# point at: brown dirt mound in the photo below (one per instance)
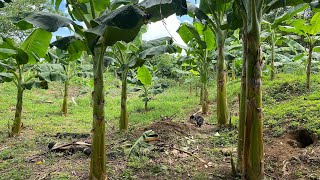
(170, 129)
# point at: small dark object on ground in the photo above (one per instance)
(7, 158)
(50, 145)
(197, 120)
(87, 151)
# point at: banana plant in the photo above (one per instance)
(128, 56)
(272, 31)
(287, 51)
(107, 22)
(214, 13)
(199, 38)
(310, 31)
(247, 15)
(20, 65)
(68, 54)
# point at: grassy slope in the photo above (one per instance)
(40, 117)
(288, 106)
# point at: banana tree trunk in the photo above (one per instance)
(233, 70)
(204, 84)
(272, 57)
(124, 114)
(64, 109)
(196, 89)
(242, 106)
(146, 96)
(201, 94)
(146, 105)
(222, 111)
(309, 67)
(98, 155)
(16, 127)
(205, 99)
(253, 142)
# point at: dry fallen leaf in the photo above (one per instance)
(183, 155)
(175, 152)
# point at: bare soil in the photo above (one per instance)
(183, 151)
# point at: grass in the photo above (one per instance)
(287, 106)
(41, 107)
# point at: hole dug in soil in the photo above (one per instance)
(303, 138)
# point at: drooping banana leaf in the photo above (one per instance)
(160, 9)
(5, 53)
(156, 42)
(50, 72)
(45, 20)
(156, 51)
(20, 56)
(122, 24)
(6, 77)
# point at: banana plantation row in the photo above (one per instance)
(112, 35)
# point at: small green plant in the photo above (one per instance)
(148, 87)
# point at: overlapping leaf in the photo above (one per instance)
(36, 44)
(188, 32)
(144, 76)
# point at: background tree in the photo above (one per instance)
(200, 41)
(69, 53)
(250, 126)
(214, 13)
(128, 56)
(273, 31)
(310, 31)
